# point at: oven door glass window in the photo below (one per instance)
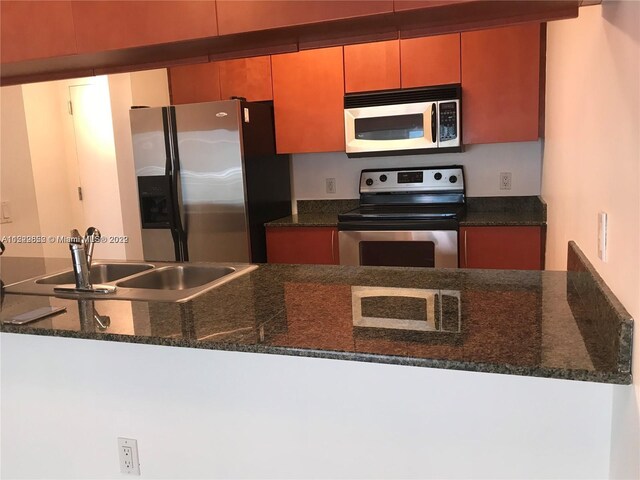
(398, 253)
(395, 127)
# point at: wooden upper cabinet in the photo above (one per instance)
(246, 77)
(308, 100)
(36, 29)
(430, 60)
(401, 5)
(501, 84)
(109, 25)
(195, 83)
(372, 66)
(236, 16)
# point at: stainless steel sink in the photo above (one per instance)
(100, 273)
(153, 281)
(181, 277)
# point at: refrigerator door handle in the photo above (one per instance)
(167, 142)
(177, 226)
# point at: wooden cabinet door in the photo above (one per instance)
(246, 77)
(401, 5)
(430, 60)
(509, 248)
(308, 100)
(315, 245)
(501, 84)
(194, 83)
(36, 29)
(236, 16)
(372, 66)
(108, 25)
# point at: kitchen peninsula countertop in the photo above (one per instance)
(512, 322)
(481, 211)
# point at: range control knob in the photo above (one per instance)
(383, 178)
(369, 181)
(437, 176)
(453, 179)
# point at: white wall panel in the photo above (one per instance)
(214, 414)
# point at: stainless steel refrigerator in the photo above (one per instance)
(208, 179)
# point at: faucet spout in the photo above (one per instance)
(91, 237)
(79, 260)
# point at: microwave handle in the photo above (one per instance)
(434, 123)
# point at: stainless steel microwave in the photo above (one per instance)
(410, 121)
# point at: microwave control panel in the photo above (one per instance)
(448, 121)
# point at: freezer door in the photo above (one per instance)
(212, 181)
(149, 141)
(152, 159)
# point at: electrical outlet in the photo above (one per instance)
(128, 453)
(331, 185)
(505, 180)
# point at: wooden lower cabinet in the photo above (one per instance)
(510, 248)
(312, 245)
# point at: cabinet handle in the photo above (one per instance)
(333, 250)
(466, 259)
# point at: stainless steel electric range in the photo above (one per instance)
(408, 217)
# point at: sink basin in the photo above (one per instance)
(180, 277)
(100, 273)
(150, 282)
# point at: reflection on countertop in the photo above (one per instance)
(513, 322)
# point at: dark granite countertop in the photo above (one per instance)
(306, 220)
(481, 211)
(511, 322)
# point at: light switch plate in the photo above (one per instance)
(602, 236)
(5, 212)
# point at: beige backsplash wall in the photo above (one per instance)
(483, 165)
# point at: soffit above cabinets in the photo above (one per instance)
(240, 30)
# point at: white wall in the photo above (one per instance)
(120, 94)
(483, 165)
(53, 188)
(148, 88)
(214, 414)
(16, 175)
(592, 164)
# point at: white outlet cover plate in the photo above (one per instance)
(128, 464)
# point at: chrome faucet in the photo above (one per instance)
(81, 256)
